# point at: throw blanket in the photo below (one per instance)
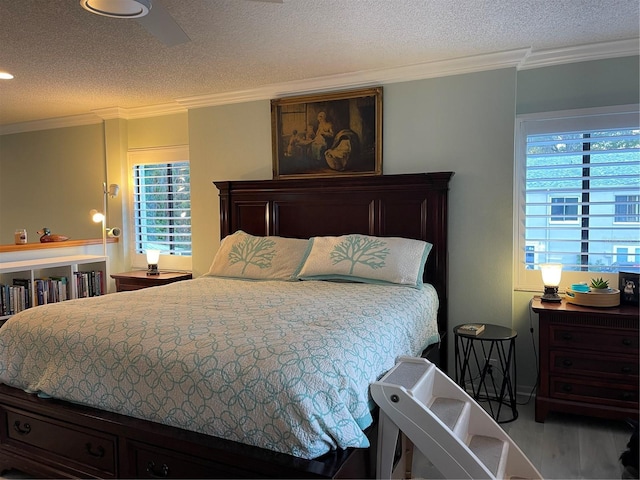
(280, 365)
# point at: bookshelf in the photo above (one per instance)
(45, 268)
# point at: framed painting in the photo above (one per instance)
(328, 135)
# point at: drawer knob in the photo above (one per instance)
(567, 363)
(22, 430)
(567, 336)
(626, 369)
(626, 342)
(567, 388)
(98, 452)
(157, 472)
(627, 396)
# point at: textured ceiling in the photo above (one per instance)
(67, 61)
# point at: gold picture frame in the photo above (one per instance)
(327, 135)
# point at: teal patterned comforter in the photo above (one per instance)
(280, 365)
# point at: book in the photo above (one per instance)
(471, 328)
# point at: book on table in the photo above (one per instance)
(471, 328)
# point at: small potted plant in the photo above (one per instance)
(599, 285)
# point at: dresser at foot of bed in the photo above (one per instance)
(54, 439)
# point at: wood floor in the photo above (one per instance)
(564, 447)
(570, 446)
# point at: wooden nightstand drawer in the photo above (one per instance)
(138, 279)
(580, 363)
(604, 393)
(74, 444)
(593, 339)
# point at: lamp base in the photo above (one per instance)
(152, 269)
(551, 295)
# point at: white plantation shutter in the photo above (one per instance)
(162, 208)
(578, 181)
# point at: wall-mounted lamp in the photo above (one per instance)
(113, 190)
(551, 274)
(114, 232)
(153, 256)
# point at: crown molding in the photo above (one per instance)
(362, 79)
(521, 59)
(50, 123)
(580, 53)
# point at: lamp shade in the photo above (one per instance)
(551, 274)
(153, 256)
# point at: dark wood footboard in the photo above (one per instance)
(51, 438)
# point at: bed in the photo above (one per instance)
(135, 430)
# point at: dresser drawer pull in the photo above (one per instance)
(627, 396)
(626, 369)
(98, 452)
(22, 430)
(158, 472)
(567, 336)
(567, 388)
(567, 363)
(626, 342)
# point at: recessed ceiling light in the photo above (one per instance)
(5, 76)
(118, 8)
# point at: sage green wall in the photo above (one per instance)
(579, 85)
(229, 142)
(51, 178)
(161, 131)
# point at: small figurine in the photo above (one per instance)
(47, 236)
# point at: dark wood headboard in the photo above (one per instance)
(410, 206)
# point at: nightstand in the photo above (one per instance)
(472, 357)
(588, 360)
(138, 279)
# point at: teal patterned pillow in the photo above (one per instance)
(258, 258)
(367, 259)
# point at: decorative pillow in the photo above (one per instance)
(366, 259)
(258, 258)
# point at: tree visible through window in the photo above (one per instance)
(162, 208)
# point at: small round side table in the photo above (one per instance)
(477, 351)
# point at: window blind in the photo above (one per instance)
(162, 208)
(581, 204)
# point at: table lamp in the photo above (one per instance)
(551, 274)
(152, 262)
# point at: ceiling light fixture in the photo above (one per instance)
(5, 76)
(118, 8)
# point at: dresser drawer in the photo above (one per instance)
(569, 362)
(597, 339)
(41, 436)
(577, 389)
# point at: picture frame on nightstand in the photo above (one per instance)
(629, 284)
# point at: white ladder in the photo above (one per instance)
(449, 428)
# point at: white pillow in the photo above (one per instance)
(242, 255)
(366, 259)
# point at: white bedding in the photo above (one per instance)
(280, 365)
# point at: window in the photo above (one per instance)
(627, 209)
(564, 209)
(161, 206)
(577, 186)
